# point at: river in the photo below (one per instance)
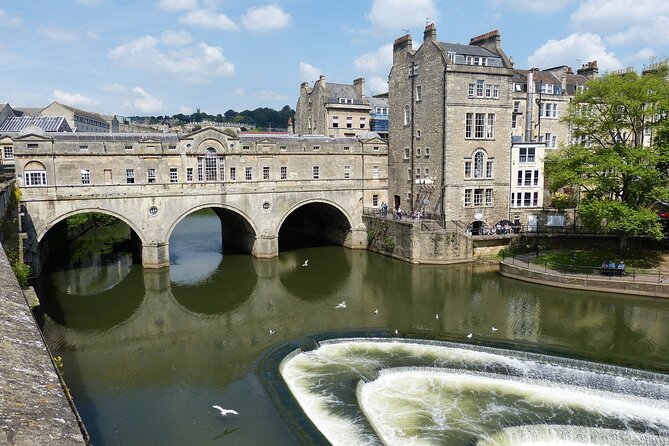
(146, 354)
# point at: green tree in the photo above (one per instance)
(619, 158)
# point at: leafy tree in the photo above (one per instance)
(619, 158)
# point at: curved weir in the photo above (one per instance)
(409, 392)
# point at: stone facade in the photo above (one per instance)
(152, 181)
(334, 110)
(450, 111)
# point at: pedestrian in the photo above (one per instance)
(399, 213)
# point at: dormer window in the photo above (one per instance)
(345, 101)
(547, 88)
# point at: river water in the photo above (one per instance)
(146, 354)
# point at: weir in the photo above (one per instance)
(402, 391)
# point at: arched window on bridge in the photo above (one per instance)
(211, 167)
(34, 174)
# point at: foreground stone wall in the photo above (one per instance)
(33, 407)
(414, 242)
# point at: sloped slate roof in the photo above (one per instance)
(468, 50)
(46, 123)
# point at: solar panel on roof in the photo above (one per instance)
(47, 123)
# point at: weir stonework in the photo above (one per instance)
(33, 407)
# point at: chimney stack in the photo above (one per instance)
(359, 85)
(588, 70)
(402, 42)
(430, 33)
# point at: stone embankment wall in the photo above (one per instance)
(553, 278)
(414, 242)
(33, 407)
(6, 190)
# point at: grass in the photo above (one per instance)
(590, 260)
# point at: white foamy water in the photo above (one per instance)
(372, 391)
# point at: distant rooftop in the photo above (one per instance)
(46, 123)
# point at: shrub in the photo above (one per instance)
(389, 244)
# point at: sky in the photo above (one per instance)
(158, 57)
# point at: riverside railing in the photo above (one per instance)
(624, 274)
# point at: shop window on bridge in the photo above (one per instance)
(34, 174)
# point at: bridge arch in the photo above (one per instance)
(320, 219)
(41, 232)
(241, 225)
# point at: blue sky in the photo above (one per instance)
(154, 57)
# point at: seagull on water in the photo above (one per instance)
(469, 336)
(437, 316)
(376, 311)
(341, 304)
(306, 263)
(224, 412)
(494, 329)
(271, 332)
(397, 332)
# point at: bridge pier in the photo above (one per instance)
(266, 247)
(155, 255)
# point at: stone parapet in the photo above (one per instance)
(33, 407)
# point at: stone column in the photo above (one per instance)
(266, 247)
(155, 255)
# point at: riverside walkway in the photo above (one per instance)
(33, 407)
(637, 282)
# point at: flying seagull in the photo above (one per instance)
(341, 304)
(469, 336)
(224, 412)
(494, 329)
(306, 263)
(271, 332)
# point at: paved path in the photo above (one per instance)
(33, 408)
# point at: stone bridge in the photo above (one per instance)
(258, 185)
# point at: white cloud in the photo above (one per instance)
(208, 19)
(309, 72)
(534, 6)
(239, 91)
(401, 14)
(7, 20)
(73, 98)
(584, 47)
(645, 54)
(624, 22)
(92, 35)
(266, 18)
(59, 34)
(144, 102)
(265, 95)
(176, 38)
(135, 99)
(376, 85)
(617, 14)
(377, 62)
(174, 5)
(190, 63)
(185, 110)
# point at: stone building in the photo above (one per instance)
(151, 181)
(541, 99)
(334, 110)
(449, 137)
(80, 120)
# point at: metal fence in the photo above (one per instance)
(600, 272)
